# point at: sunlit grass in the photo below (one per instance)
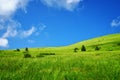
(62, 63)
(73, 66)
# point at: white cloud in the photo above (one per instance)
(28, 32)
(8, 7)
(116, 22)
(65, 4)
(3, 42)
(11, 27)
(10, 32)
(7, 11)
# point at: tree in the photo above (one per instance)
(76, 49)
(26, 49)
(83, 48)
(97, 48)
(17, 49)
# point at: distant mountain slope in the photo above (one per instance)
(109, 42)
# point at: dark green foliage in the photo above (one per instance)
(83, 48)
(118, 44)
(97, 48)
(26, 49)
(27, 55)
(110, 50)
(18, 50)
(40, 55)
(43, 54)
(76, 49)
(47, 53)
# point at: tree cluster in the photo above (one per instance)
(83, 48)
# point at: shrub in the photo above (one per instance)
(97, 48)
(47, 53)
(83, 48)
(17, 49)
(118, 44)
(27, 55)
(43, 54)
(26, 49)
(76, 49)
(40, 55)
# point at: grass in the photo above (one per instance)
(63, 63)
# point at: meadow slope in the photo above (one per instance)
(62, 63)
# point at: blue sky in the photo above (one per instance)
(43, 23)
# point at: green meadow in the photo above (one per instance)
(64, 63)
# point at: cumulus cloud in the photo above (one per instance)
(7, 11)
(12, 32)
(8, 7)
(116, 22)
(11, 27)
(3, 42)
(65, 4)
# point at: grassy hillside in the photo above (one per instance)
(62, 63)
(107, 43)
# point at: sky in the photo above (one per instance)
(50, 23)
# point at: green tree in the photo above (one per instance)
(18, 50)
(83, 48)
(76, 49)
(26, 49)
(97, 48)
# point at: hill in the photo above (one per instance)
(62, 63)
(106, 43)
